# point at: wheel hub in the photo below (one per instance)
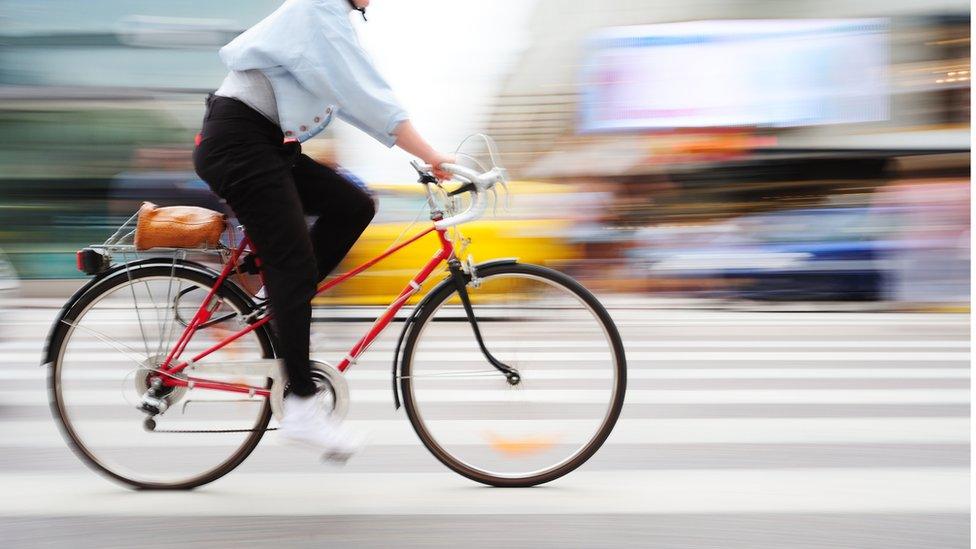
(148, 371)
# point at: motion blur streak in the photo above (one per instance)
(771, 197)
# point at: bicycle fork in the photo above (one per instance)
(461, 285)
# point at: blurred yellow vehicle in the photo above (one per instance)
(535, 230)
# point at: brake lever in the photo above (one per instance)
(423, 172)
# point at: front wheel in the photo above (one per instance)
(501, 431)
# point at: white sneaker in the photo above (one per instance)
(307, 423)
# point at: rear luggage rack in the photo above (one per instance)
(98, 258)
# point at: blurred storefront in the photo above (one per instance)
(98, 105)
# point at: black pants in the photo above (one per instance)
(272, 186)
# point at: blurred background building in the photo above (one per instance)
(762, 150)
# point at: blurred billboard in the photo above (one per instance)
(774, 73)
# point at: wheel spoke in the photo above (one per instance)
(114, 343)
(169, 331)
(135, 303)
(164, 329)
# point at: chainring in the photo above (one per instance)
(333, 390)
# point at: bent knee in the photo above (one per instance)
(364, 210)
(369, 209)
(364, 203)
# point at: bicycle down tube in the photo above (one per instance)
(206, 310)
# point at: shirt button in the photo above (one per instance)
(289, 133)
(318, 119)
(328, 110)
(303, 128)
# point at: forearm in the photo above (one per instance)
(408, 139)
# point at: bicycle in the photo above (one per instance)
(509, 374)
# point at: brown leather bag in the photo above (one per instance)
(178, 227)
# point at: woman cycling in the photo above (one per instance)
(290, 74)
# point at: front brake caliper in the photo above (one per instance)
(475, 282)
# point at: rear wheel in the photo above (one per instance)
(501, 431)
(102, 353)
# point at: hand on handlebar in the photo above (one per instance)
(473, 182)
(435, 162)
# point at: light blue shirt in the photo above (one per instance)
(309, 51)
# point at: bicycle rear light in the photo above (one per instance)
(90, 261)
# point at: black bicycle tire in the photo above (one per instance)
(444, 293)
(56, 340)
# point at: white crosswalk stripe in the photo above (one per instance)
(97, 373)
(635, 356)
(449, 344)
(584, 396)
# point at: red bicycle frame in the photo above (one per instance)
(172, 365)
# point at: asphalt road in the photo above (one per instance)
(741, 429)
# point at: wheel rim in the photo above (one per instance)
(95, 383)
(474, 419)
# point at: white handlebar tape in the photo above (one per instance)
(481, 182)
